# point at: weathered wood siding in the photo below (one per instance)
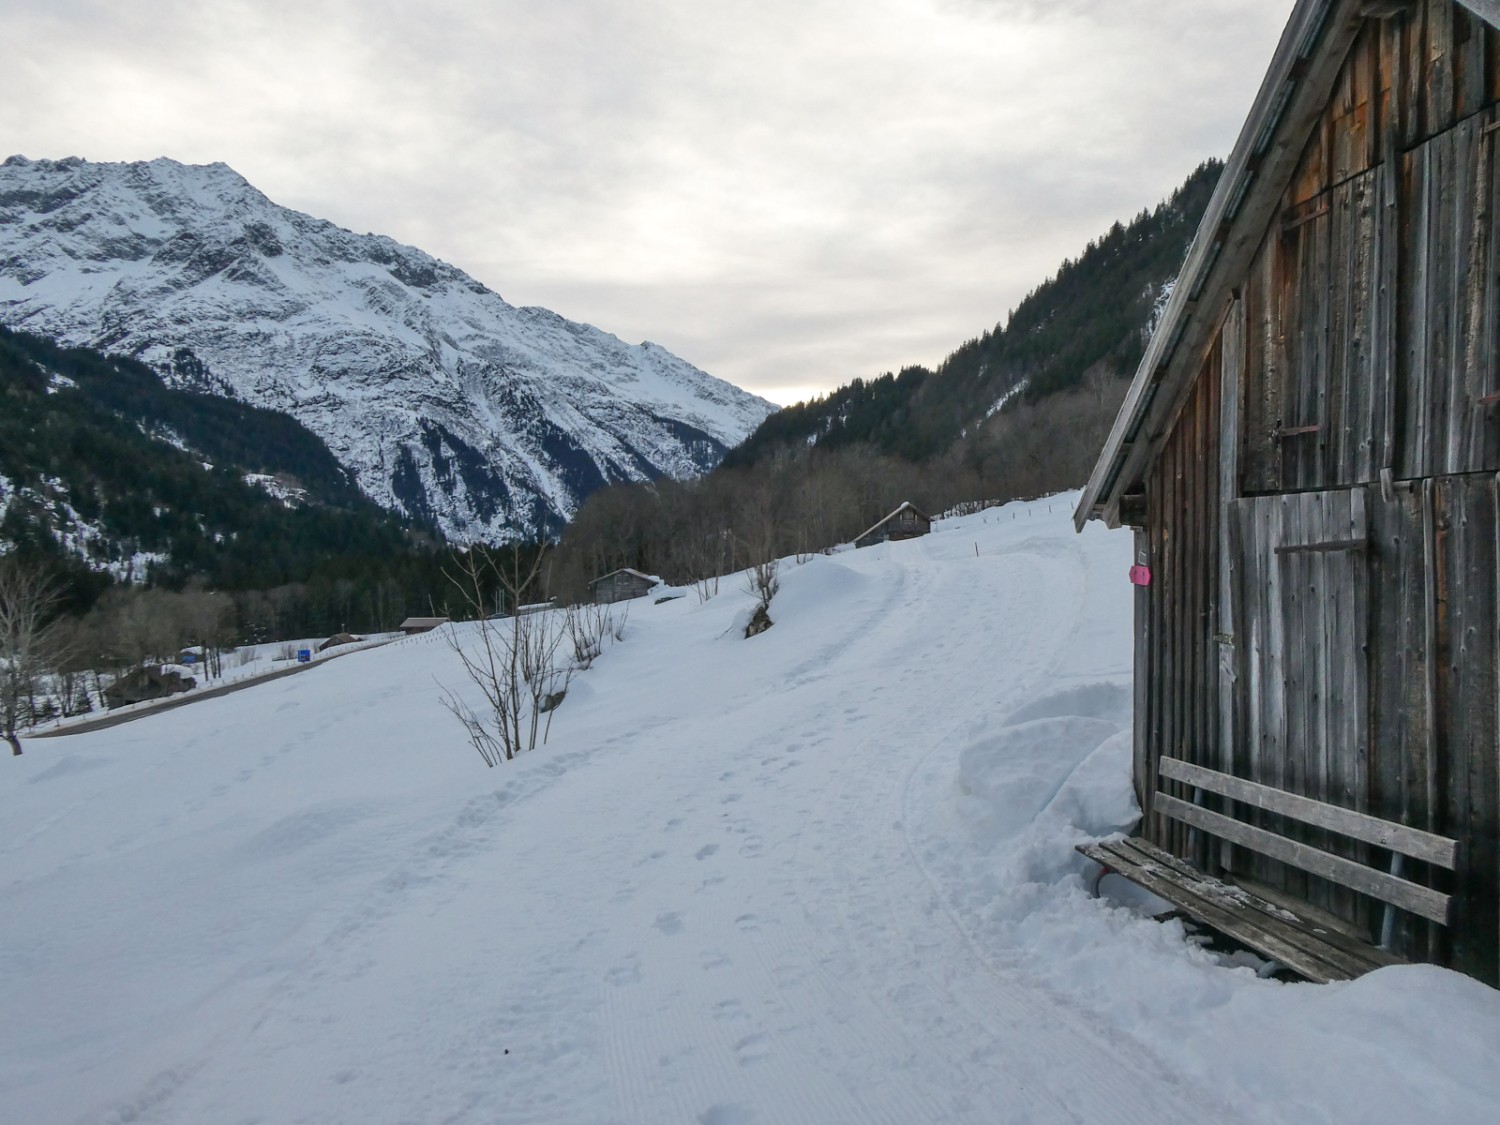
(620, 587)
(1301, 661)
(1323, 522)
(1181, 671)
(1374, 302)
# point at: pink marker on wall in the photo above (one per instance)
(1140, 575)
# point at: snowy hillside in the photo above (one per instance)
(823, 875)
(445, 401)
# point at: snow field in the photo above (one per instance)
(822, 875)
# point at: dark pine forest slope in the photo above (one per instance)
(1092, 319)
(106, 471)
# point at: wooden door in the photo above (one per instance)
(1299, 660)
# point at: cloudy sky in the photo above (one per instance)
(788, 193)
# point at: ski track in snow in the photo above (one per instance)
(735, 889)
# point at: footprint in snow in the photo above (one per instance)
(725, 1115)
(730, 1011)
(669, 923)
(752, 1049)
(628, 973)
(707, 850)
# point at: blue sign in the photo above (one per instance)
(304, 656)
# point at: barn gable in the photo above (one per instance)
(1309, 455)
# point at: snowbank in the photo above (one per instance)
(824, 874)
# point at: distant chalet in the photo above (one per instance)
(622, 585)
(413, 625)
(906, 522)
(1308, 457)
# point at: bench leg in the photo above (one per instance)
(1099, 878)
(1388, 922)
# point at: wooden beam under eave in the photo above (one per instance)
(1386, 9)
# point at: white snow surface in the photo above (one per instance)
(822, 875)
(442, 398)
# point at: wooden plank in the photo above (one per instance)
(1487, 824)
(1413, 842)
(1292, 611)
(1425, 784)
(1279, 934)
(1468, 62)
(1351, 781)
(1332, 546)
(1413, 310)
(1439, 65)
(1388, 888)
(1384, 333)
(1227, 917)
(1473, 724)
(1226, 629)
(1328, 940)
(1144, 669)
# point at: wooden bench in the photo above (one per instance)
(1301, 938)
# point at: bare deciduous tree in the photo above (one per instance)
(28, 600)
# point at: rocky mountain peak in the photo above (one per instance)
(443, 400)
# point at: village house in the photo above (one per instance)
(622, 585)
(414, 625)
(1308, 457)
(906, 522)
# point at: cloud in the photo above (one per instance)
(790, 193)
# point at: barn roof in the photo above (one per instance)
(1293, 94)
(905, 504)
(626, 570)
(422, 623)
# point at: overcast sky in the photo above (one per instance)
(788, 193)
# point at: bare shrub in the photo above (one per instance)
(763, 583)
(511, 660)
(588, 626)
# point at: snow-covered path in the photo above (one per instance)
(822, 875)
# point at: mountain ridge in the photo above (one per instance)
(448, 404)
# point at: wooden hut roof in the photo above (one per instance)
(905, 505)
(422, 622)
(626, 570)
(1293, 95)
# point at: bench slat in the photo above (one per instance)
(1237, 913)
(1426, 846)
(1328, 941)
(1387, 888)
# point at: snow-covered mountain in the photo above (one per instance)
(445, 401)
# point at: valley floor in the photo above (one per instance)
(822, 875)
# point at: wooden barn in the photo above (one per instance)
(906, 522)
(1309, 456)
(414, 625)
(621, 586)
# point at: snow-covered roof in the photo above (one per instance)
(1301, 76)
(653, 579)
(905, 505)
